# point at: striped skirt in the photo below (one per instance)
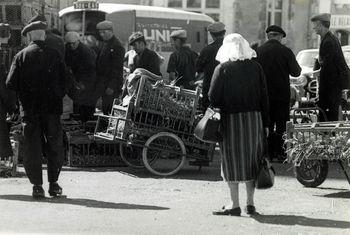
(242, 146)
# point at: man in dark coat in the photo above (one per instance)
(145, 58)
(37, 75)
(334, 71)
(206, 61)
(109, 66)
(80, 59)
(182, 62)
(7, 105)
(278, 62)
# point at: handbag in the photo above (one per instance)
(266, 175)
(208, 128)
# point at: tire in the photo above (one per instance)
(131, 155)
(164, 154)
(312, 173)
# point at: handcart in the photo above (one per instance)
(155, 129)
(311, 146)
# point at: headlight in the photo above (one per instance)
(298, 81)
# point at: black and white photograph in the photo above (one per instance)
(164, 117)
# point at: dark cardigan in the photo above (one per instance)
(238, 87)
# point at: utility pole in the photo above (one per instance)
(42, 4)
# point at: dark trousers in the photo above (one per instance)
(279, 115)
(5, 144)
(331, 111)
(37, 129)
(86, 112)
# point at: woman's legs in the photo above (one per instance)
(250, 186)
(234, 195)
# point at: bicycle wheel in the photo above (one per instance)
(164, 154)
(131, 155)
(312, 173)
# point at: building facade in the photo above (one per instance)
(17, 13)
(251, 17)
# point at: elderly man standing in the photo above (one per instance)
(182, 62)
(334, 71)
(109, 66)
(80, 59)
(37, 75)
(206, 62)
(278, 62)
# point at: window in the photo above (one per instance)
(175, 3)
(13, 13)
(194, 3)
(274, 12)
(214, 16)
(212, 3)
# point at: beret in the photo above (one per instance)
(104, 25)
(38, 17)
(275, 28)
(179, 34)
(36, 25)
(72, 36)
(216, 27)
(322, 17)
(137, 36)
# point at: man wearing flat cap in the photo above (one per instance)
(145, 58)
(206, 61)
(81, 62)
(278, 63)
(334, 73)
(182, 62)
(37, 75)
(109, 66)
(51, 40)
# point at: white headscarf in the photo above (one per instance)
(234, 47)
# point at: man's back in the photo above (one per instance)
(37, 75)
(278, 63)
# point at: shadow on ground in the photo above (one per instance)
(338, 195)
(300, 220)
(83, 202)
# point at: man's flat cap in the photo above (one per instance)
(72, 36)
(179, 34)
(137, 36)
(104, 25)
(216, 27)
(322, 17)
(276, 29)
(36, 25)
(38, 17)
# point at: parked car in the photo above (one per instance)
(304, 89)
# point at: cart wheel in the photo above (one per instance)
(131, 155)
(164, 154)
(312, 173)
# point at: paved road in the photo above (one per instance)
(126, 201)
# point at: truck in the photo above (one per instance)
(156, 24)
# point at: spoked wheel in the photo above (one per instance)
(312, 173)
(131, 155)
(164, 154)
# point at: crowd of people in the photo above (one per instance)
(249, 85)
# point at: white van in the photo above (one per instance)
(156, 23)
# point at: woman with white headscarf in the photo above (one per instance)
(238, 88)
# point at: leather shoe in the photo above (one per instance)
(234, 212)
(250, 210)
(55, 189)
(38, 192)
